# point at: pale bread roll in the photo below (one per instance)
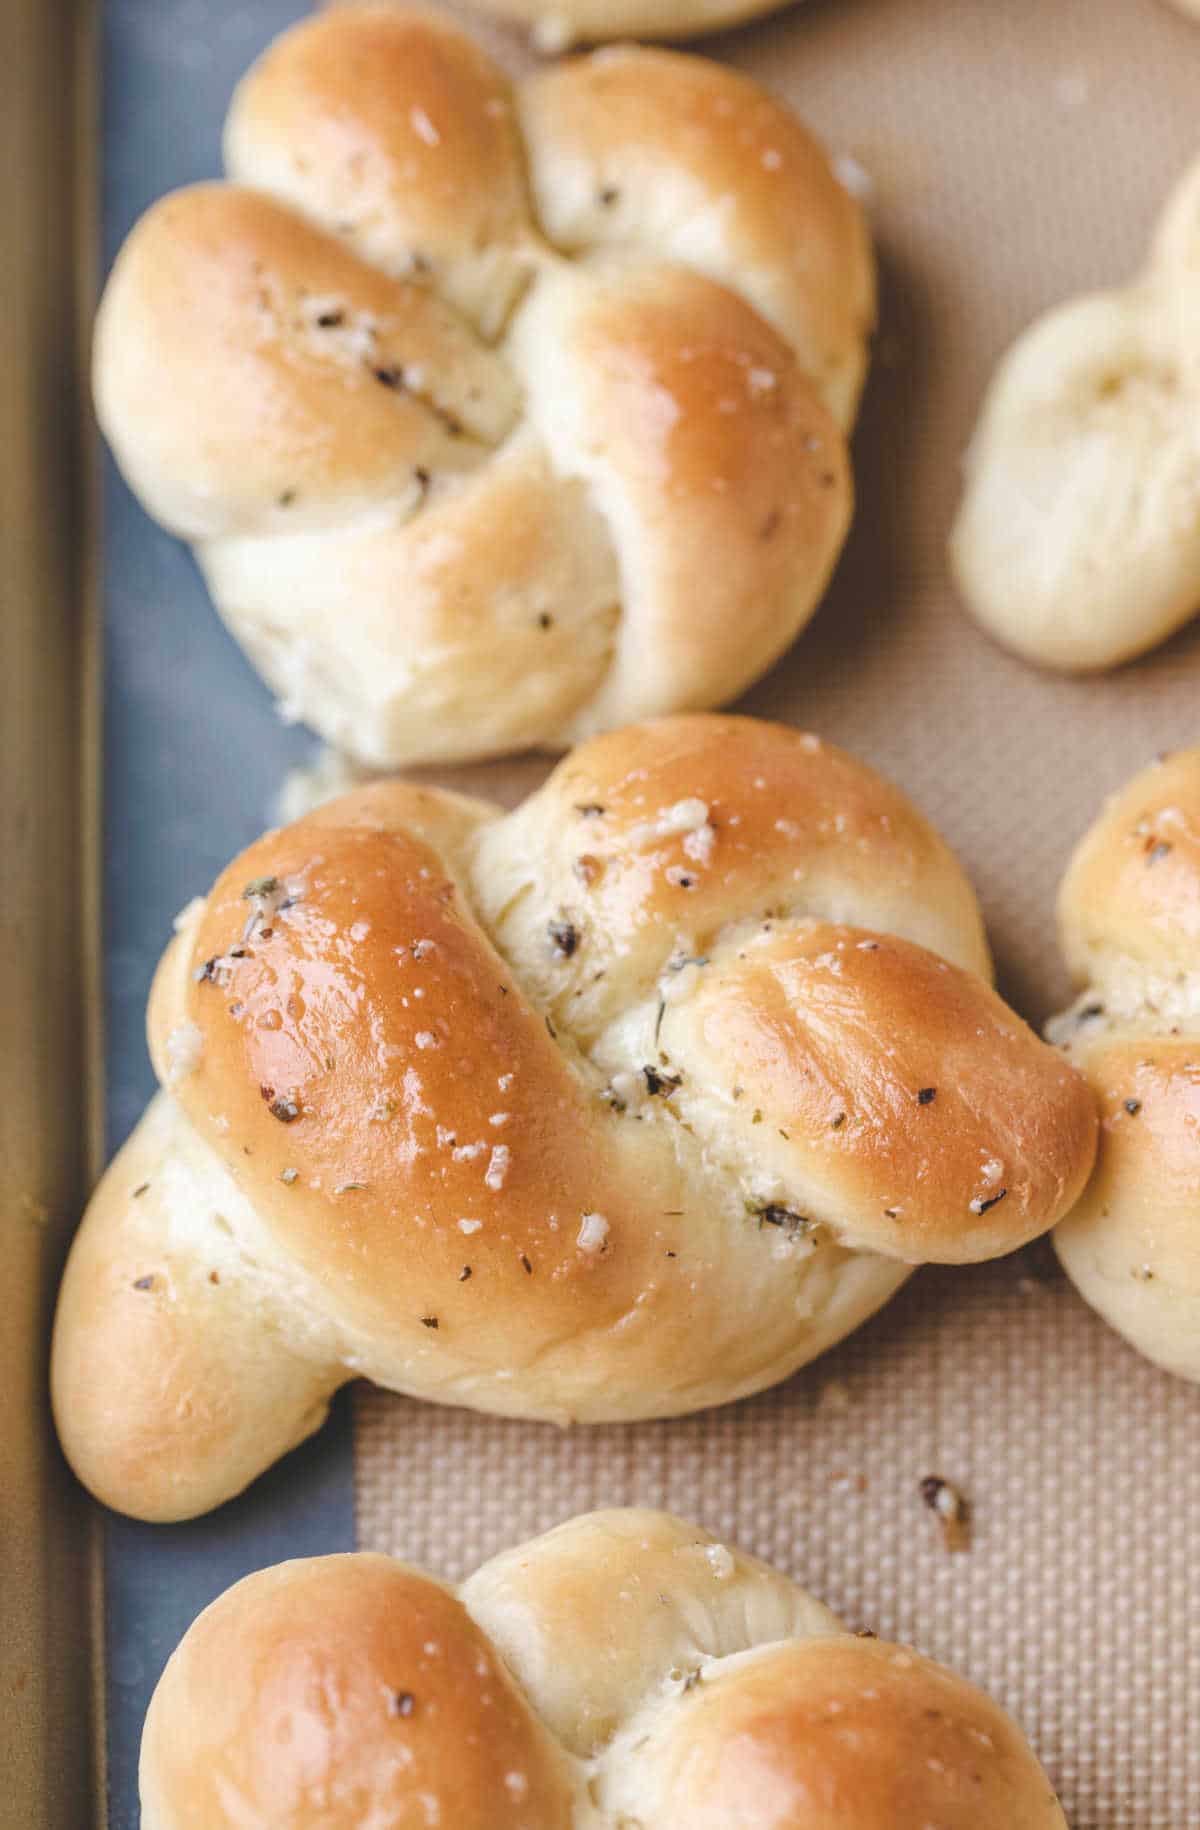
(495, 416)
(1077, 542)
(1129, 914)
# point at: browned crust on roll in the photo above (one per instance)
(624, 1669)
(630, 295)
(341, 1691)
(623, 1104)
(1129, 914)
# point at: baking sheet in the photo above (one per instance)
(49, 967)
(194, 757)
(1019, 150)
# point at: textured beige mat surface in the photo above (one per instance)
(1019, 150)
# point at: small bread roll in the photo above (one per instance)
(620, 1105)
(1077, 543)
(624, 1670)
(495, 416)
(1129, 914)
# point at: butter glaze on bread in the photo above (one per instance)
(1129, 914)
(624, 1672)
(495, 416)
(623, 1104)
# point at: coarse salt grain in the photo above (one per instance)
(699, 844)
(423, 127)
(684, 816)
(593, 1233)
(497, 1169)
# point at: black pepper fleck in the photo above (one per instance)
(564, 936)
(143, 1283)
(1133, 1107)
(774, 1213)
(429, 1321)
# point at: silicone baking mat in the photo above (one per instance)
(1016, 151)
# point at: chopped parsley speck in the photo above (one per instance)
(260, 886)
(564, 937)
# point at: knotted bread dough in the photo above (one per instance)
(623, 1104)
(624, 1672)
(495, 416)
